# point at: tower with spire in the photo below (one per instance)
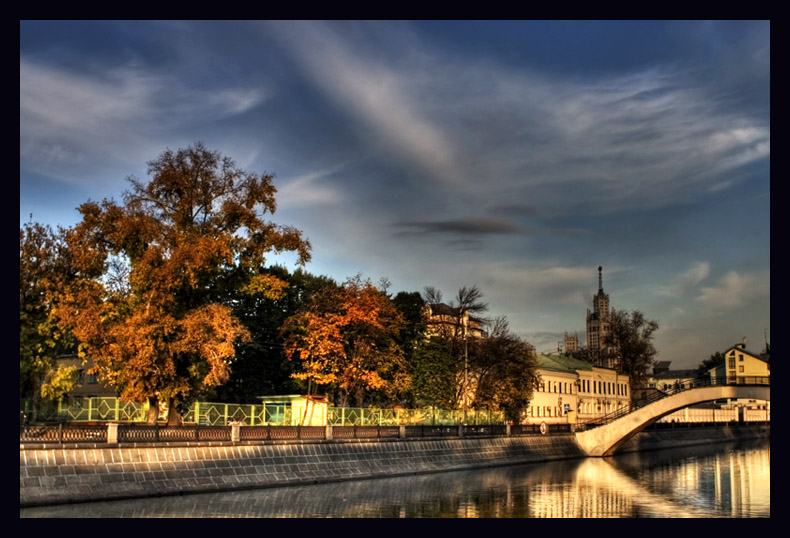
(598, 322)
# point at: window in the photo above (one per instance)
(80, 377)
(92, 379)
(740, 358)
(732, 362)
(740, 368)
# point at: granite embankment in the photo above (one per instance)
(63, 474)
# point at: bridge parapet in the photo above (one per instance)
(604, 439)
(661, 394)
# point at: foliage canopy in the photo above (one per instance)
(151, 297)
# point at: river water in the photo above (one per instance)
(718, 481)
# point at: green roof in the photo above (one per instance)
(562, 363)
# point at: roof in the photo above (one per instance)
(676, 374)
(442, 309)
(562, 363)
(742, 348)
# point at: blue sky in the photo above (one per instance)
(517, 156)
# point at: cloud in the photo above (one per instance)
(734, 290)
(626, 140)
(69, 119)
(686, 282)
(370, 90)
(308, 190)
(468, 226)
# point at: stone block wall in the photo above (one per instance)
(56, 475)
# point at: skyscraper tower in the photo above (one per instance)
(598, 323)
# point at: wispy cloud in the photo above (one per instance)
(734, 290)
(468, 226)
(67, 118)
(687, 281)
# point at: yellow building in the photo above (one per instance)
(741, 366)
(573, 390)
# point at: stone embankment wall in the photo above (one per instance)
(58, 475)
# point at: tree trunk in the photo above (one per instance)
(153, 409)
(173, 414)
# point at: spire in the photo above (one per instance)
(600, 280)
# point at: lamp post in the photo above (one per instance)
(465, 323)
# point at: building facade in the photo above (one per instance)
(573, 390)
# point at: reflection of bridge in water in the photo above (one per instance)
(603, 436)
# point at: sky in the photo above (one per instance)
(516, 156)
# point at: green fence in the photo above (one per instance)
(221, 414)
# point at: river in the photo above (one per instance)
(714, 481)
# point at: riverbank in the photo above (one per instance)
(88, 472)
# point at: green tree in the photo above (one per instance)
(711, 362)
(261, 366)
(44, 265)
(433, 368)
(631, 340)
(191, 237)
(504, 370)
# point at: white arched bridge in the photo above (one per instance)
(603, 437)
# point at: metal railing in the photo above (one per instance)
(108, 409)
(660, 394)
(144, 433)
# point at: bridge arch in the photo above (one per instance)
(604, 440)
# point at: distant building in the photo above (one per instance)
(599, 325)
(88, 385)
(571, 343)
(449, 322)
(665, 379)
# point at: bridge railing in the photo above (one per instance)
(669, 391)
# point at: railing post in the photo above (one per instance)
(328, 431)
(60, 432)
(402, 431)
(112, 433)
(460, 430)
(235, 432)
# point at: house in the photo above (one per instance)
(741, 366)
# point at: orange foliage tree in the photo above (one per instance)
(156, 277)
(345, 338)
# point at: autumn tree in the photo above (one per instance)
(44, 265)
(345, 340)
(631, 341)
(160, 327)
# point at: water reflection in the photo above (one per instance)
(715, 481)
